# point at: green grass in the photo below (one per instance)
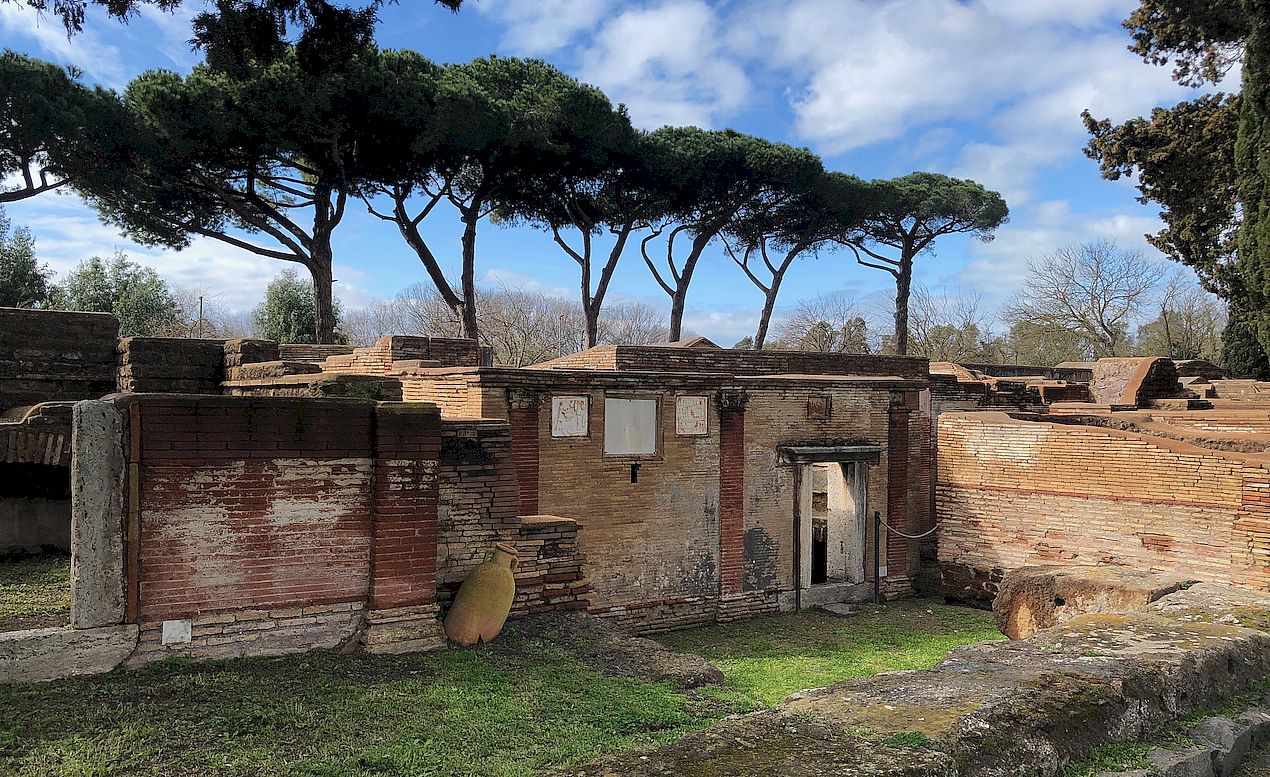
(35, 592)
(510, 709)
(1111, 757)
(767, 659)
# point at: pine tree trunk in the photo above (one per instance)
(680, 298)
(903, 289)
(471, 329)
(320, 269)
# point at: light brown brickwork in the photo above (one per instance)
(656, 529)
(1016, 492)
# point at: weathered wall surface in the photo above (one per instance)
(701, 529)
(652, 541)
(47, 355)
(270, 525)
(170, 364)
(1013, 493)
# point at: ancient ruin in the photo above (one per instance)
(245, 497)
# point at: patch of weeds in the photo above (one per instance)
(911, 739)
(1111, 757)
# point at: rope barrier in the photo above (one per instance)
(909, 536)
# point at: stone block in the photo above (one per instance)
(1188, 762)
(97, 515)
(403, 630)
(38, 655)
(1038, 597)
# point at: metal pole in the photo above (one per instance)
(798, 538)
(877, 557)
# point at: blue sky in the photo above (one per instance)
(984, 89)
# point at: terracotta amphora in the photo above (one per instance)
(481, 606)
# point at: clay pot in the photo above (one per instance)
(481, 606)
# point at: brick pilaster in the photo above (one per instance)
(731, 405)
(403, 553)
(897, 468)
(523, 417)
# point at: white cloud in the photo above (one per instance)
(538, 27)
(869, 72)
(999, 267)
(502, 277)
(666, 62)
(67, 233)
(86, 50)
(175, 28)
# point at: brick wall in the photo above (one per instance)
(701, 530)
(309, 352)
(1014, 492)
(169, 364)
(657, 358)
(384, 356)
(551, 573)
(458, 396)
(272, 524)
(53, 355)
(650, 542)
(479, 505)
(478, 497)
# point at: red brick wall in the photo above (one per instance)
(731, 493)
(897, 494)
(270, 509)
(403, 563)
(248, 504)
(523, 411)
(1014, 492)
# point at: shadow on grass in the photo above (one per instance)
(35, 592)
(512, 709)
(475, 712)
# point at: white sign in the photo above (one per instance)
(630, 426)
(176, 632)
(692, 416)
(569, 416)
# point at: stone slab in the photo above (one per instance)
(997, 709)
(38, 655)
(97, 515)
(1039, 597)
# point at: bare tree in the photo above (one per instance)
(204, 315)
(633, 323)
(1189, 325)
(949, 326)
(526, 327)
(1096, 291)
(830, 323)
